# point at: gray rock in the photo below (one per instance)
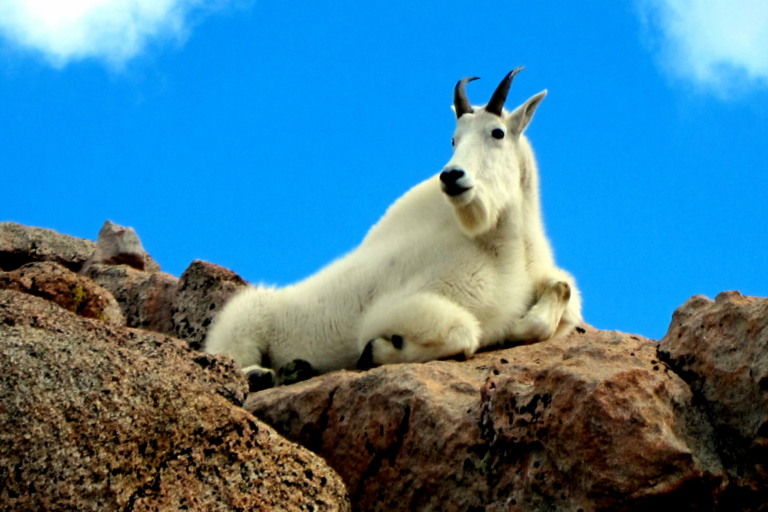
(203, 290)
(23, 244)
(119, 245)
(720, 348)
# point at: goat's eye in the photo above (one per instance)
(497, 133)
(453, 141)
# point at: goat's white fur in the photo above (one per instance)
(446, 274)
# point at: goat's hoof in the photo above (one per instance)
(295, 371)
(260, 379)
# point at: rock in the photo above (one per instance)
(119, 245)
(58, 284)
(590, 422)
(144, 297)
(203, 289)
(23, 244)
(100, 418)
(720, 348)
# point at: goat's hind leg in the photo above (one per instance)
(260, 378)
(238, 331)
(547, 316)
(251, 359)
(417, 327)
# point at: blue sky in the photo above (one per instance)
(269, 136)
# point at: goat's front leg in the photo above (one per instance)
(416, 327)
(549, 316)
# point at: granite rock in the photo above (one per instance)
(97, 416)
(590, 422)
(58, 284)
(120, 245)
(24, 244)
(720, 348)
(94, 417)
(203, 290)
(144, 297)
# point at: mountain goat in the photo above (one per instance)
(460, 262)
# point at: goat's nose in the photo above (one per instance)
(452, 176)
(451, 181)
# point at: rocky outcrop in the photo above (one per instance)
(95, 414)
(116, 269)
(98, 418)
(591, 422)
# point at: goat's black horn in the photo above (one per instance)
(460, 101)
(496, 105)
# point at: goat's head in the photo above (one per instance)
(489, 151)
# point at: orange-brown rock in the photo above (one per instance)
(58, 284)
(590, 422)
(144, 297)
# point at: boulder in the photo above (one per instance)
(720, 348)
(144, 297)
(58, 284)
(94, 417)
(23, 244)
(203, 290)
(591, 422)
(120, 245)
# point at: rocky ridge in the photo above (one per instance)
(97, 415)
(106, 405)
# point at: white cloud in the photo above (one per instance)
(719, 45)
(112, 30)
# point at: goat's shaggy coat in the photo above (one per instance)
(460, 262)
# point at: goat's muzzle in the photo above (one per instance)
(454, 182)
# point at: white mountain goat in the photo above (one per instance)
(460, 262)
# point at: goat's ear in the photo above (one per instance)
(522, 115)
